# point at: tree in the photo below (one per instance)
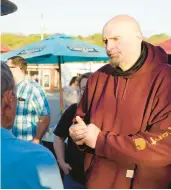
(157, 39)
(14, 41)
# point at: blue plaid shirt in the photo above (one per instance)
(32, 103)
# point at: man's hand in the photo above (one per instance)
(78, 131)
(82, 134)
(65, 167)
(91, 136)
(36, 141)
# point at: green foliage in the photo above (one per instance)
(157, 39)
(14, 41)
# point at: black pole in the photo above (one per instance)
(60, 86)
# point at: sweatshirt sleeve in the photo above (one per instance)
(152, 147)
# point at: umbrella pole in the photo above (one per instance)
(60, 87)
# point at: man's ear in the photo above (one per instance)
(7, 99)
(139, 36)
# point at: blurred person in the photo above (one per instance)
(123, 120)
(71, 163)
(24, 165)
(35, 77)
(33, 113)
(70, 92)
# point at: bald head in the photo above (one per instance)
(123, 24)
(123, 37)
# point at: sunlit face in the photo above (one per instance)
(83, 85)
(114, 50)
(76, 82)
(120, 44)
(12, 67)
(16, 70)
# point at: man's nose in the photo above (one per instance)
(109, 46)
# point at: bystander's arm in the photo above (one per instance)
(42, 127)
(59, 147)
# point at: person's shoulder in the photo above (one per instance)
(24, 84)
(36, 87)
(30, 84)
(166, 71)
(39, 164)
(31, 163)
(66, 119)
(43, 154)
(34, 84)
(72, 107)
(102, 71)
(106, 67)
(166, 67)
(164, 77)
(68, 89)
(69, 112)
(33, 151)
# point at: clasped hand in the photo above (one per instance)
(84, 134)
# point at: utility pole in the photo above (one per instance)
(42, 27)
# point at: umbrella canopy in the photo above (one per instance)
(59, 49)
(68, 48)
(7, 7)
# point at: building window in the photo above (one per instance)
(46, 79)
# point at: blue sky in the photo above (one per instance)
(85, 17)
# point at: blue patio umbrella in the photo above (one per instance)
(59, 49)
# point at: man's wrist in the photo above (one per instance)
(95, 142)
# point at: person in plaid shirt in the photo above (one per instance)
(33, 113)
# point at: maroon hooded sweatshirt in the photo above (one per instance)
(133, 149)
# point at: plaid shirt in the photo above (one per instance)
(32, 103)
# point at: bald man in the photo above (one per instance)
(123, 120)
